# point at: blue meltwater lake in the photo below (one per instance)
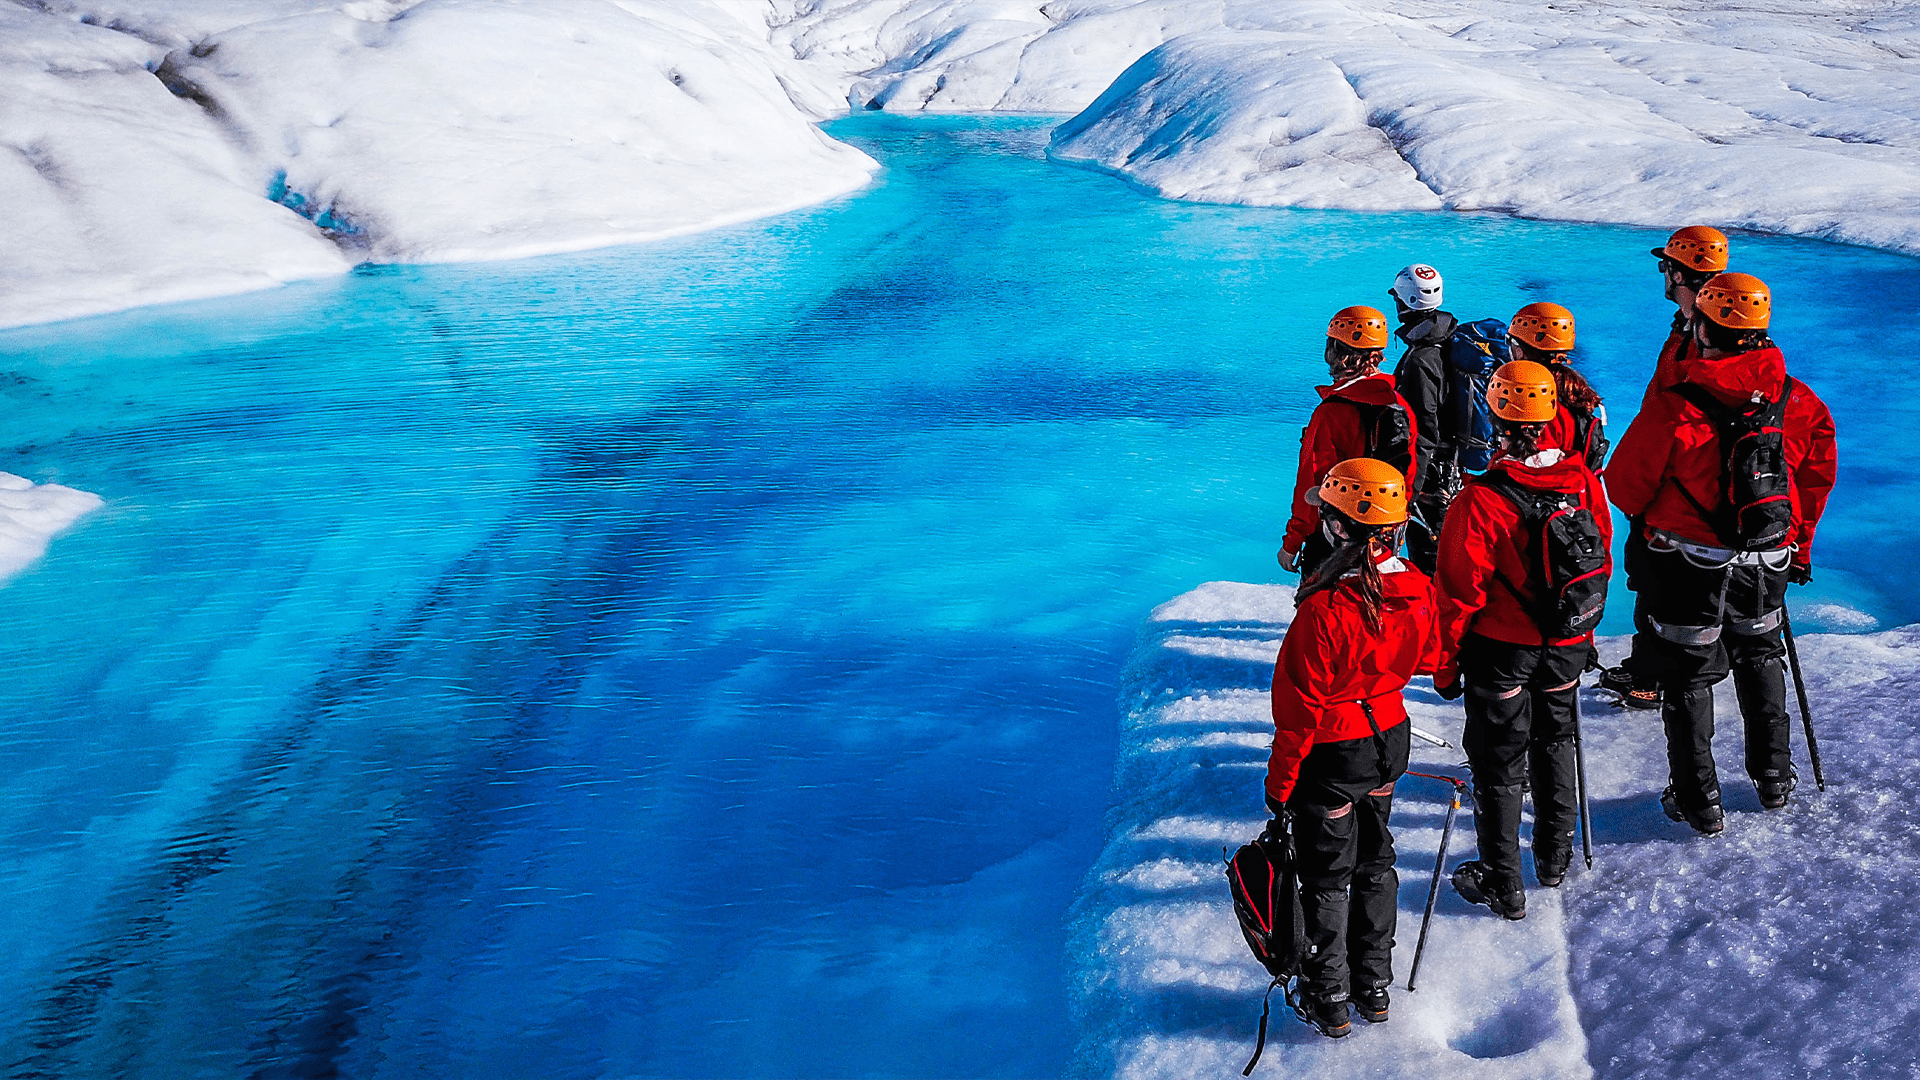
(700, 659)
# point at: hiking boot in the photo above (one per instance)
(1632, 692)
(1470, 881)
(1371, 1005)
(1550, 867)
(1774, 791)
(1329, 1018)
(1706, 821)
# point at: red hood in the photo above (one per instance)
(1736, 378)
(1404, 588)
(1376, 389)
(1568, 475)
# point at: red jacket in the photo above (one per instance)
(1335, 433)
(1672, 443)
(1486, 552)
(1331, 661)
(1679, 347)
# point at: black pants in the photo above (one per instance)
(1678, 598)
(1638, 662)
(1520, 722)
(1349, 891)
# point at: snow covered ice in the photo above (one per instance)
(168, 150)
(1787, 946)
(31, 514)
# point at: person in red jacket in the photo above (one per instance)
(1359, 415)
(1688, 259)
(1725, 533)
(1543, 334)
(1363, 625)
(1516, 623)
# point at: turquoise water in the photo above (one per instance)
(698, 658)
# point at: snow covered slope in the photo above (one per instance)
(1780, 948)
(163, 150)
(1797, 119)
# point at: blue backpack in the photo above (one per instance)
(1474, 352)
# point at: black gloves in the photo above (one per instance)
(1453, 690)
(1798, 574)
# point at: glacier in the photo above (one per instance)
(160, 151)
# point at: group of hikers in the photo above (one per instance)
(1485, 453)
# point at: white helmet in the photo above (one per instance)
(1418, 287)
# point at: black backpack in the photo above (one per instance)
(1756, 494)
(1389, 434)
(1473, 353)
(1265, 884)
(1567, 589)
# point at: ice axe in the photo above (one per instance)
(1433, 890)
(1800, 689)
(1580, 779)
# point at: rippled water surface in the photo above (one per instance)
(699, 658)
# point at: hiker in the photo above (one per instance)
(1543, 334)
(1522, 583)
(1421, 379)
(1359, 415)
(1363, 625)
(1728, 470)
(1688, 258)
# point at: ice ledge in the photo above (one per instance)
(31, 515)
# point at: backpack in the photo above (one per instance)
(1265, 883)
(1756, 511)
(1389, 434)
(1473, 353)
(1567, 590)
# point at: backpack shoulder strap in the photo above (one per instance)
(1533, 514)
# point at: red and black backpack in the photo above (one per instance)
(1756, 493)
(1265, 883)
(1566, 590)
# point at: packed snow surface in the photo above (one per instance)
(32, 514)
(1782, 947)
(162, 149)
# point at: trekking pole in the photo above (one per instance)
(1433, 890)
(1580, 781)
(1800, 688)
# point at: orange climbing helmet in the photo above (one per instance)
(1546, 327)
(1359, 327)
(1367, 490)
(1735, 301)
(1523, 392)
(1699, 248)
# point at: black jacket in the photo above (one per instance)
(1421, 378)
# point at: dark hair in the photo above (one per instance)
(1356, 552)
(1521, 440)
(1728, 339)
(1575, 391)
(1346, 362)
